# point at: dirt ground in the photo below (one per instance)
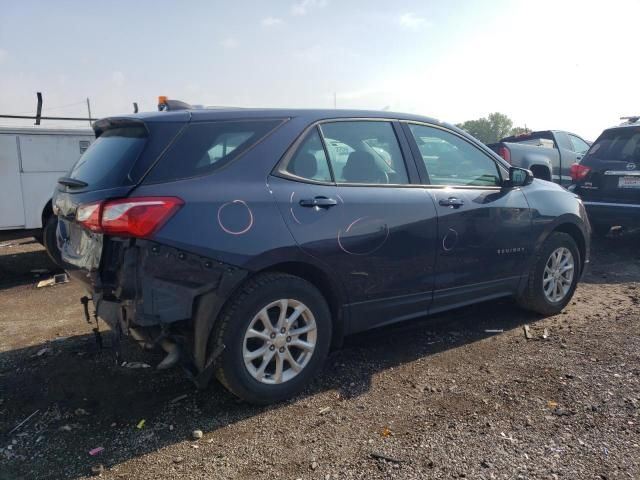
(434, 398)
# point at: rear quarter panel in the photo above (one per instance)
(231, 215)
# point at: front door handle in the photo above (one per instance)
(320, 202)
(452, 202)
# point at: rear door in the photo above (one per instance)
(484, 231)
(348, 200)
(389, 223)
(614, 163)
(12, 206)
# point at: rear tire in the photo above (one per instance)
(49, 241)
(538, 295)
(251, 324)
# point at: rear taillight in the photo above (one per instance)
(578, 172)
(89, 216)
(504, 152)
(131, 217)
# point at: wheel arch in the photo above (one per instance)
(322, 281)
(47, 211)
(574, 232)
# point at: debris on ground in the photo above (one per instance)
(196, 434)
(135, 365)
(95, 451)
(23, 422)
(380, 456)
(545, 334)
(97, 470)
(42, 352)
(179, 398)
(494, 330)
(55, 280)
(527, 332)
(140, 424)
(324, 410)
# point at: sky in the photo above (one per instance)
(547, 64)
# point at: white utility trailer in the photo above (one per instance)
(31, 161)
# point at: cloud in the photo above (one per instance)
(229, 43)
(302, 7)
(3, 55)
(411, 21)
(269, 22)
(118, 79)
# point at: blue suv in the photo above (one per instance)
(247, 243)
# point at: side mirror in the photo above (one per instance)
(519, 177)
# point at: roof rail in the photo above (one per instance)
(631, 119)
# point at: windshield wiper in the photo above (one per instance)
(72, 182)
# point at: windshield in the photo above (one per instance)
(109, 159)
(621, 144)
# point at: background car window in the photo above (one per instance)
(450, 160)
(579, 145)
(204, 147)
(310, 161)
(618, 144)
(364, 152)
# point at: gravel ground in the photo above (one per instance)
(435, 398)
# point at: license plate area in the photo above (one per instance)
(629, 182)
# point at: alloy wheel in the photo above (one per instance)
(279, 341)
(558, 275)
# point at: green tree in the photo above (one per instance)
(520, 131)
(492, 128)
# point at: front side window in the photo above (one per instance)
(364, 151)
(451, 160)
(579, 145)
(310, 161)
(206, 146)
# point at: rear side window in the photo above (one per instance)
(109, 159)
(579, 145)
(310, 161)
(205, 147)
(621, 144)
(364, 151)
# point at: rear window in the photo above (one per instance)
(207, 146)
(621, 144)
(109, 159)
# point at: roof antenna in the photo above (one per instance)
(135, 107)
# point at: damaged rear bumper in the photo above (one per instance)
(166, 297)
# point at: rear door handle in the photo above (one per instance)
(452, 202)
(320, 202)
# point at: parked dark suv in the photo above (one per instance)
(247, 243)
(608, 178)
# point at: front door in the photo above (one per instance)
(484, 230)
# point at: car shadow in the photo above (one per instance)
(615, 258)
(18, 267)
(83, 398)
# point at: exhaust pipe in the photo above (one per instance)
(168, 345)
(173, 354)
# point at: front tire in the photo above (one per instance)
(553, 277)
(276, 333)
